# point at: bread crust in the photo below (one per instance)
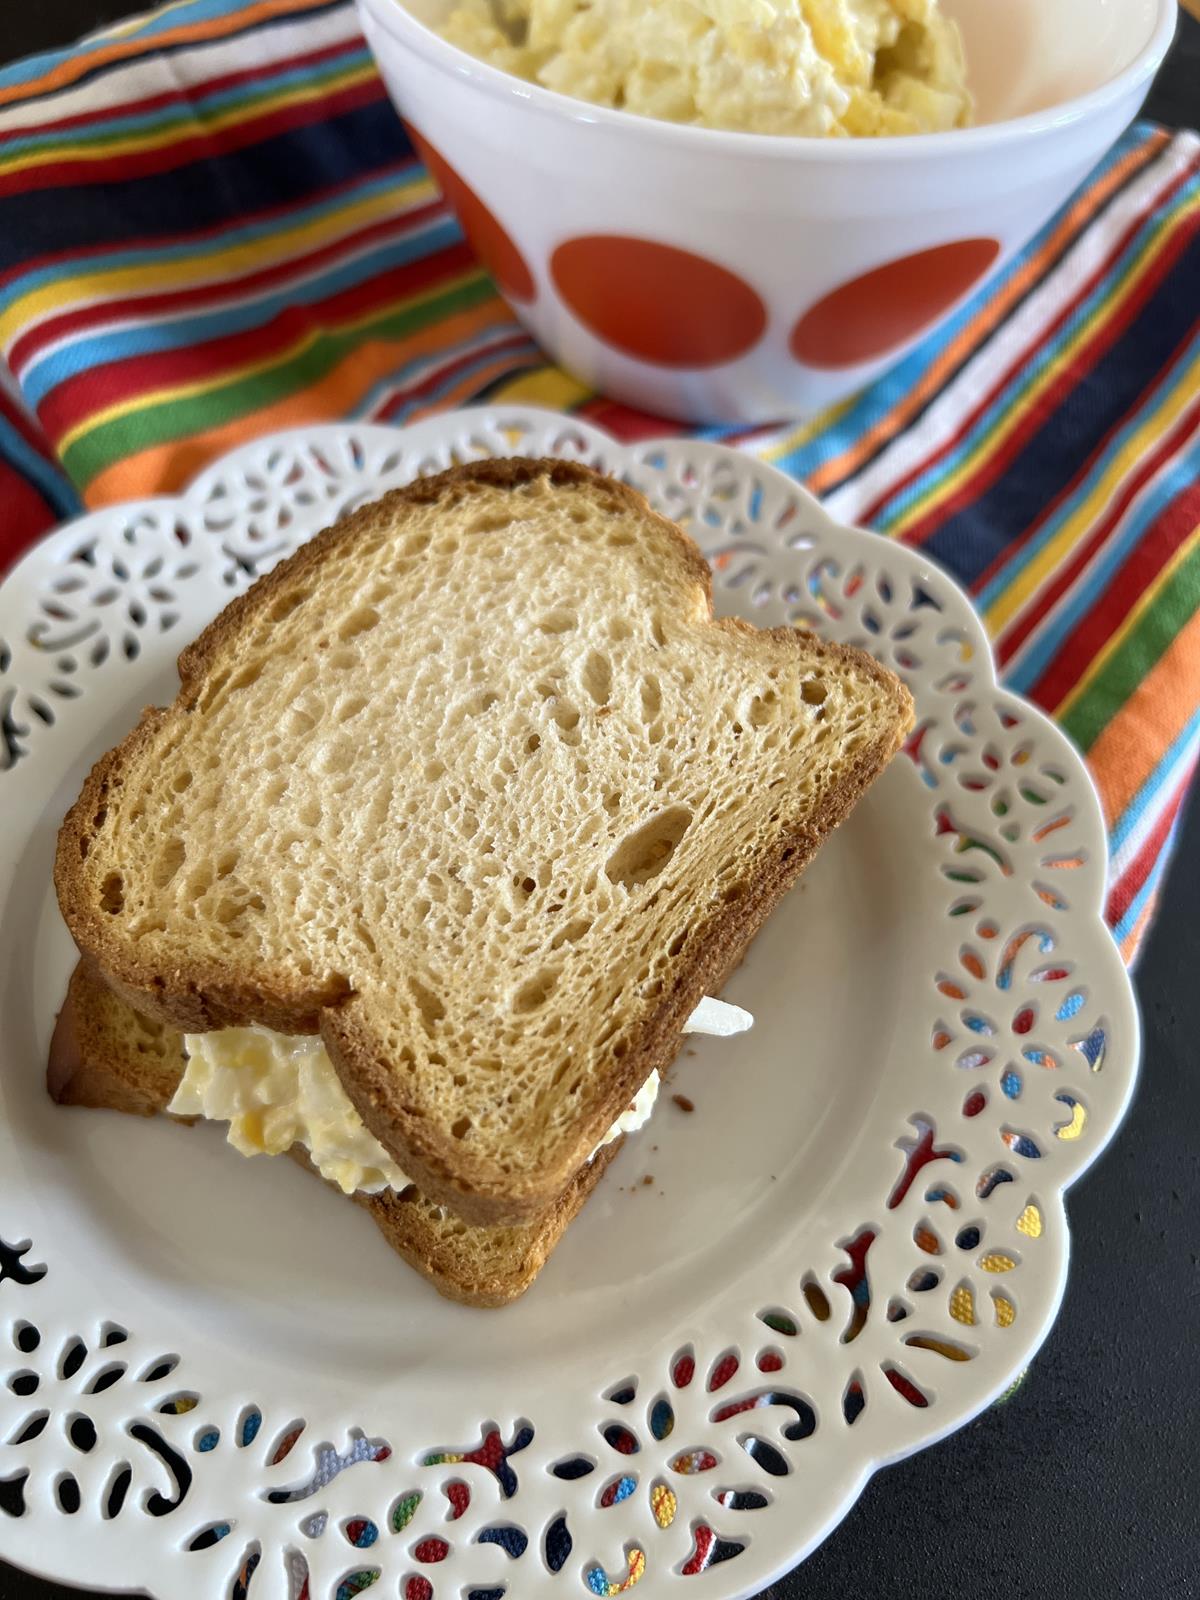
(200, 997)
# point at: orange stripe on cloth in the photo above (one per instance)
(84, 62)
(989, 317)
(1133, 940)
(170, 467)
(1139, 736)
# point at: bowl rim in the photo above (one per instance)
(397, 20)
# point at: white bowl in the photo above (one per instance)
(737, 277)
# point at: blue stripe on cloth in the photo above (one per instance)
(971, 540)
(298, 166)
(397, 413)
(1011, 397)
(879, 398)
(1135, 810)
(192, 106)
(1154, 878)
(1160, 391)
(376, 402)
(54, 486)
(145, 29)
(1031, 662)
(187, 332)
(193, 249)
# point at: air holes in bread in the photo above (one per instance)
(813, 691)
(597, 677)
(489, 522)
(644, 853)
(534, 993)
(286, 604)
(112, 894)
(651, 693)
(359, 621)
(572, 933)
(428, 1003)
(168, 862)
(764, 708)
(566, 719)
(250, 674)
(560, 621)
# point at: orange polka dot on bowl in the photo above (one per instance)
(886, 307)
(658, 303)
(488, 237)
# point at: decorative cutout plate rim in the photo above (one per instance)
(721, 1446)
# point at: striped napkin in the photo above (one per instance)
(212, 226)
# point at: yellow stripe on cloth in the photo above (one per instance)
(168, 467)
(1041, 567)
(1113, 644)
(216, 267)
(1026, 402)
(1132, 745)
(228, 377)
(96, 150)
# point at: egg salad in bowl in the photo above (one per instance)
(810, 67)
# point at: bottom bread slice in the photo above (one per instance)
(106, 1055)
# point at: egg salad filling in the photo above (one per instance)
(276, 1091)
(810, 67)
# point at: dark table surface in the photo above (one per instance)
(1087, 1481)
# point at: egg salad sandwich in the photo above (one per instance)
(280, 1095)
(458, 816)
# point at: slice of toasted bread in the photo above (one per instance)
(107, 1056)
(474, 785)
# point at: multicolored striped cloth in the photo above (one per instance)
(212, 225)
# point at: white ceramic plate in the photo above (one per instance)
(712, 1365)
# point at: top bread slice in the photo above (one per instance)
(473, 785)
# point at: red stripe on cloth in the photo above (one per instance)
(153, 244)
(75, 400)
(1142, 566)
(1161, 380)
(66, 69)
(21, 422)
(192, 151)
(25, 516)
(99, 115)
(1125, 891)
(995, 464)
(1066, 574)
(1005, 379)
(443, 374)
(627, 423)
(103, 313)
